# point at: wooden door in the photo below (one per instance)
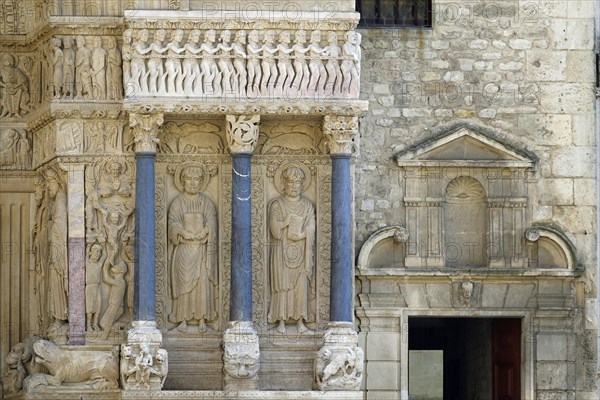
(506, 359)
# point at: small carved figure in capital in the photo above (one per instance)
(193, 234)
(114, 74)
(292, 224)
(57, 257)
(192, 80)
(173, 67)
(143, 366)
(225, 62)
(302, 73)
(83, 70)
(284, 65)
(14, 88)
(318, 73)
(240, 77)
(269, 67)
(23, 150)
(156, 78)
(253, 50)
(93, 279)
(68, 67)
(210, 71)
(58, 65)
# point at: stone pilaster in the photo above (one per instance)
(339, 363)
(146, 363)
(241, 351)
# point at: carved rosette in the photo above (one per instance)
(241, 356)
(145, 128)
(340, 133)
(339, 363)
(242, 132)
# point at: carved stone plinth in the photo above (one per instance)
(241, 356)
(144, 365)
(339, 363)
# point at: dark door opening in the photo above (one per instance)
(466, 358)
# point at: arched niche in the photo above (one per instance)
(549, 248)
(385, 248)
(465, 223)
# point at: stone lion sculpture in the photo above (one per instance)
(82, 368)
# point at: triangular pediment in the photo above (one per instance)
(464, 145)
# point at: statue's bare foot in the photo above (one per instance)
(202, 326)
(182, 327)
(281, 327)
(301, 327)
(96, 328)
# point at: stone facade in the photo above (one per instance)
(154, 155)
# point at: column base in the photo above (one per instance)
(144, 365)
(241, 356)
(339, 363)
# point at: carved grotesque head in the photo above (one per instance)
(242, 364)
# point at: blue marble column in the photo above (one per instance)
(241, 239)
(340, 306)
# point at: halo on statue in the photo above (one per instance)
(177, 176)
(278, 180)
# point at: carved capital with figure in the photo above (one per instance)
(145, 128)
(242, 132)
(340, 133)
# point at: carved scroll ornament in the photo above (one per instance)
(242, 132)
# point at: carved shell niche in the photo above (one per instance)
(465, 188)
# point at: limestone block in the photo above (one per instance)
(520, 44)
(487, 113)
(584, 129)
(563, 165)
(591, 315)
(383, 375)
(414, 295)
(543, 213)
(556, 191)
(439, 294)
(573, 34)
(551, 347)
(551, 375)
(565, 98)
(544, 65)
(550, 288)
(383, 346)
(585, 192)
(382, 395)
(553, 129)
(518, 295)
(578, 69)
(493, 295)
(579, 219)
(478, 44)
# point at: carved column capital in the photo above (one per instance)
(340, 133)
(242, 132)
(145, 129)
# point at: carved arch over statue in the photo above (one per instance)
(549, 248)
(462, 169)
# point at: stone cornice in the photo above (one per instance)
(73, 109)
(224, 106)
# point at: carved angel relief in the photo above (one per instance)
(110, 237)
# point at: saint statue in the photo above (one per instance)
(193, 233)
(292, 227)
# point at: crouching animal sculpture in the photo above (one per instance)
(84, 369)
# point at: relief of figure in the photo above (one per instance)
(139, 74)
(240, 76)
(156, 82)
(351, 60)
(268, 65)
(14, 88)
(8, 143)
(68, 67)
(143, 366)
(301, 72)
(284, 65)
(192, 227)
(253, 50)
(114, 74)
(93, 279)
(57, 258)
(174, 71)
(192, 80)
(23, 151)
(292, 226)
(127, 83)
(40, 249)
(16, 372)
(225, 62)
(318, 73)
(333, 84)
(57, 65)
(98, 72)
(83, 68)
(210, 71)
(115, 181)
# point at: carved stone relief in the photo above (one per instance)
(289, 138)
(143, 370)
(110, 238)
(292, 227)
(185, 138)
(15, 149)
(339, 363)
(246, 66)
(14, 88)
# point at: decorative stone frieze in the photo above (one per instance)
(339, 363)
(340, 133)
(242, 132)
(145, 131)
